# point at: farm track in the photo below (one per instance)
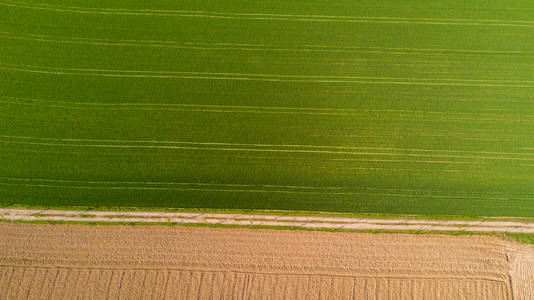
(160, 262)
(267, 220)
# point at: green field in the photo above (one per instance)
(394, 106)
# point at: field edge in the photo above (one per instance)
(520, 238)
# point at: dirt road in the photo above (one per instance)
(268, 220)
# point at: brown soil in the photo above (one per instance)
(162, 262)
(522, 272)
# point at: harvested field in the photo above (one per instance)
(148, 262)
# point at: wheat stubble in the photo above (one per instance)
(153, 262)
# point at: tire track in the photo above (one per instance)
(270, 17)
(251, 47)
(268, 77)
(252, 109)
(266, 150)
(264, 191)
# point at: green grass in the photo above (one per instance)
(522, 238)
(402, 107)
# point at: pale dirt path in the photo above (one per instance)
(267, 220)
(39, 261)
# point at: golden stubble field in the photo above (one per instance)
(163, 262)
